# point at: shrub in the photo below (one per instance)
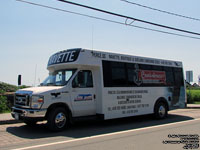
(193, 95)
(3, 104)
(7, 87)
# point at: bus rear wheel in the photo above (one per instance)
(160, 111)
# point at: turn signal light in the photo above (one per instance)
(40, 100)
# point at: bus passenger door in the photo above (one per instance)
(83, 94)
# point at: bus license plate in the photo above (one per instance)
(17, 116)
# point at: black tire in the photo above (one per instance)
(57, 119)
(30, 123)
(160, 111)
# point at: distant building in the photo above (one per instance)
(189, 76)
(187, 84)
(195, 85)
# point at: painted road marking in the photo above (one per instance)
(103, 135)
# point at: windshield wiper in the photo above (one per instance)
(49, 84)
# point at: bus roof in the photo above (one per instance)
(79, 56)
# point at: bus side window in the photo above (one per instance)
(169, 76)
(178, 75)
(83, 79)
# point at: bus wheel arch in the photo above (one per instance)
(58, 116)
(161, 108)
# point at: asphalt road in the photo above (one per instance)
(134, 133)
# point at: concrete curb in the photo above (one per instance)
(13, 121)
(6, 118)
(193, 106)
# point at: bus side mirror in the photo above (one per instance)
(19, 80)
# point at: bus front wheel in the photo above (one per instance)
(57, 119)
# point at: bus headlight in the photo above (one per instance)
(37, 101)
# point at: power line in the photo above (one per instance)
(159, 10)
(107, 20)
(128, 17)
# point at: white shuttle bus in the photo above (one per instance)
(85, 83)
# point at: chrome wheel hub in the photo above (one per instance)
(60, 120)
(161, 111)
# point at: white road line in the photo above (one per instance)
(103, 135)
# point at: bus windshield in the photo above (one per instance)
(58, 78)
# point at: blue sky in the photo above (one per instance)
(29, 34)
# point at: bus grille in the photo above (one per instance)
(22, 100)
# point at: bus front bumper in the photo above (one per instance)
(24, 114)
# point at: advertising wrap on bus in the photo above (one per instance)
(148, 76)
